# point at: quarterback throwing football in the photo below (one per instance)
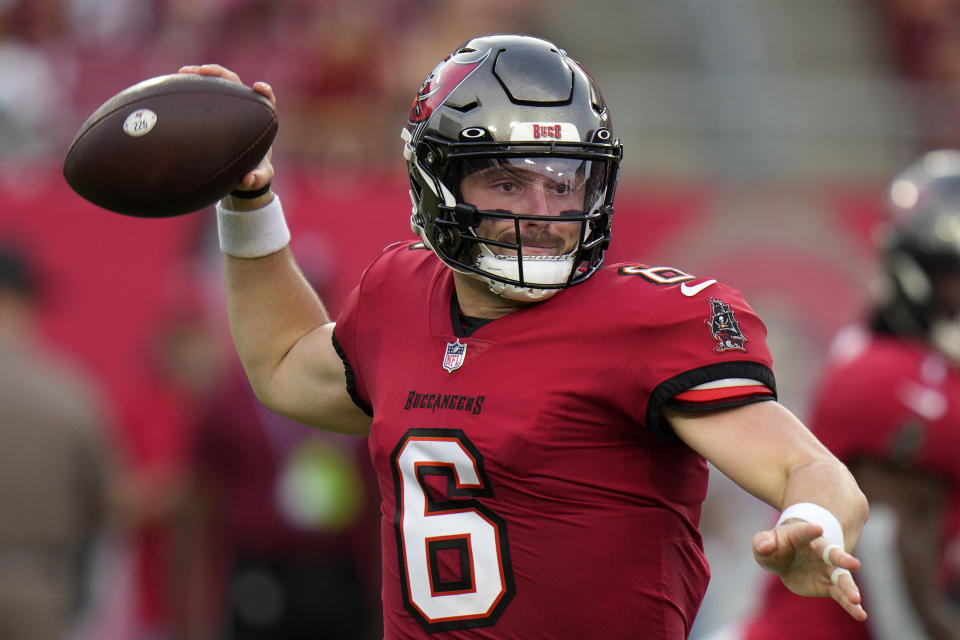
(540, 423)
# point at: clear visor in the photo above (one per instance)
(534, 186)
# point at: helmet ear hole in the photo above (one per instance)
(430, 155)
(446, 238)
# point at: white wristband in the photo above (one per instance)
(816, 514)
(253, 234)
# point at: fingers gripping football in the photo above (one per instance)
(263, 173)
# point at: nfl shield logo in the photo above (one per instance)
(453, 358)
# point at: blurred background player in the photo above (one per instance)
(55, 470)
(889, 407)
(284, 540)
(281, 521)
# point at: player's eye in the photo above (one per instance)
(505, 186)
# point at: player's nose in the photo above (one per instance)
(536, 201)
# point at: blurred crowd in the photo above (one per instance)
(925, 38)
(334, 64)
(183, 510)
(343, 70)
(924, 45)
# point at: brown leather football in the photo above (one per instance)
(170, 145)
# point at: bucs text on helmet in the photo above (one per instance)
(517, 105)
(920, 253)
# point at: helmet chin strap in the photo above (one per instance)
(536, 270)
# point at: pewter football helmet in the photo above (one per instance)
(920, 252)
(514, 104)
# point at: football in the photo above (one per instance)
(169, 145)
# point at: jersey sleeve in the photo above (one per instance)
(353, 329)
(345, 343)
(701, 352)
(357, 336)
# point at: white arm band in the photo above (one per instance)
(253, 234)
(816, 514)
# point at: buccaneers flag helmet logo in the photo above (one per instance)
(442, 81)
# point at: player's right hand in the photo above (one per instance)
(263, 174)
(794, 551)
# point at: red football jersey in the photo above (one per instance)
(882, 398)
(529, 487)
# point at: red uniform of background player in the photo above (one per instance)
(889, 406)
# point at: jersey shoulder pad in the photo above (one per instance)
(402, 259)
(671, 287)
(673, 300)
(406, 250)
(687, 284)
(410, 245)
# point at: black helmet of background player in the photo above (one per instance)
(510, 101)
(920, 253)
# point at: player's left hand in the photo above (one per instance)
(795, 551)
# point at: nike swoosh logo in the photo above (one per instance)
(688, 290)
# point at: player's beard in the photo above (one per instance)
(540, 240)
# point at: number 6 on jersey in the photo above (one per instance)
(453, 526)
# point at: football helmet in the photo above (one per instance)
(920, 253)
(518, 111)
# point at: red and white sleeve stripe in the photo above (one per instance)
(722, 391)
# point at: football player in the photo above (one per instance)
(889, 407)
(539, 424)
